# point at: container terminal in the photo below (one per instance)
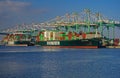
(75, 30)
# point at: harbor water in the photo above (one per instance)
(37, 62)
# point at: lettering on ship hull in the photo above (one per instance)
(53, 43)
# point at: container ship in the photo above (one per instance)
(65, 37)
(18, 38)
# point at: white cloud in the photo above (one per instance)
(14, 12)
(12, 6)
(10, 9)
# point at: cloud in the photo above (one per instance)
(14, 12)
(9, 9)
(12, 6)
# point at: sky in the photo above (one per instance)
(14, 12)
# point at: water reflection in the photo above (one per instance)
(27, 49)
